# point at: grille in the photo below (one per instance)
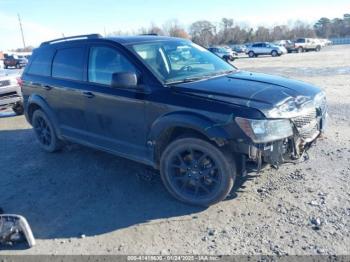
(4, 83)
(306, 125)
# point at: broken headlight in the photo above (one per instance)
(263, 131)
(320, 101)
(290, 107)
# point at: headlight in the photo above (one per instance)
(320, 101)
(263, 131)
(291, 107)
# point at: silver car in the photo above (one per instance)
(265, 48)
(225, 53)
(10, 91)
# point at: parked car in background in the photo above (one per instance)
(307, 44)
(327, 42)
(10, 91)
(239, 48)
(287, 44)
(224, 52)
(265, 48)
(14, 61)
(198, 120)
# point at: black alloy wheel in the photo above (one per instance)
(44, 132)
(197, 172)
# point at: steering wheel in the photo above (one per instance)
(186, 68)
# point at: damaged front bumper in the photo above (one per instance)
(307, 128)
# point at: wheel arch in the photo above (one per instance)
(37, 102)
(168, 127)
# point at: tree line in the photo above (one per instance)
(227, 31)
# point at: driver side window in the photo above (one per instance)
(103, 62)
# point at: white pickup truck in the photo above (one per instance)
(307, 44)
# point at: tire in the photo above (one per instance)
(274, 53)
(18, 66)
(251, 54)
(18, 109)
(318, 48)
(300, 49)
(45, 132)
(5, 66)
(196, 172)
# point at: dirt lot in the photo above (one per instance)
(82, 201)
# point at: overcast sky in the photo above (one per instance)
(46, 19)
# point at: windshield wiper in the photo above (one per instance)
(186, 80)
(197, 78)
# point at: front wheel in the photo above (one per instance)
(251, 54)
(45, 132)
(18, 66)
(300, 50)
(196, 172)
(274, 53)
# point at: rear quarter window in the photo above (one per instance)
(68, 63)
(41, 63)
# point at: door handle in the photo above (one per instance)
(88, 94)
(47, 87)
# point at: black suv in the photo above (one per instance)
(197, 119)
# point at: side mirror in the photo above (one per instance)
(124, 80)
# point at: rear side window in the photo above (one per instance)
(69, 63)
(41, 64)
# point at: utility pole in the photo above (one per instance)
(20, 26)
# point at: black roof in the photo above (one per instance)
(124, 40)
(141, 38)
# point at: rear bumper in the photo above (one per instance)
(10, 95)
(9, 101)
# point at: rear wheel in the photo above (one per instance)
(45, 132)
(318, 48)
(196, 172)
(251, 54)
(18, 66)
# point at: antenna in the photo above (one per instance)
(20, 26)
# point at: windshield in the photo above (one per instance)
(180, 61)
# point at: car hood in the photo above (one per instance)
(260, 91)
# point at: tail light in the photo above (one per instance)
(19, 81)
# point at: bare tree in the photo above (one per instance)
(174, 29)
(203, 32)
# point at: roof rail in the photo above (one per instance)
(154, 34)
(76, 37)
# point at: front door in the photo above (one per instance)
(116, 117)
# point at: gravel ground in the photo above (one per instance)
(81, 201)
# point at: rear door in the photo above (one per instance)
(265, 48)
(257, 48)
(66, 89)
